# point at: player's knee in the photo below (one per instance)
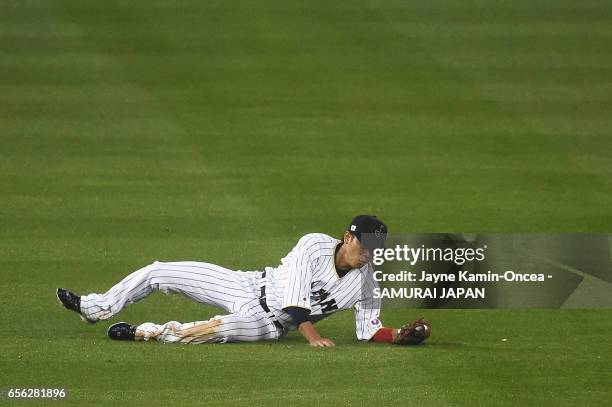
(153, 274)
(154, 269)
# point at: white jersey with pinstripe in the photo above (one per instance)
(307, 278)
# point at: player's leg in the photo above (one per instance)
(220, 329)
(226, 328)
(249, 323)
(203, 282)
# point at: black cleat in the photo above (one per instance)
(122, 331)
(71, 301)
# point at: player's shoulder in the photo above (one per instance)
(318, 238)
(317, 241)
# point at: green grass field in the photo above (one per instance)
(223, 131)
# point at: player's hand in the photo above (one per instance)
(322, 342)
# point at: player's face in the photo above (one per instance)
(356, 255)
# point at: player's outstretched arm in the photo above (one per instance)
(309, 332)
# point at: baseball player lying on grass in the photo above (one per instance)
(320, 276)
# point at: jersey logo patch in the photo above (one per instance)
(327, 305)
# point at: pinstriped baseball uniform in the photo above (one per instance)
(307, 278)
(255, 300)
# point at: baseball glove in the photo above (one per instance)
(413, 333)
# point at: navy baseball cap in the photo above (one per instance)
(371, 231)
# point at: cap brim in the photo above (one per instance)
(371, 241)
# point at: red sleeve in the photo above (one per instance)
(384, 334)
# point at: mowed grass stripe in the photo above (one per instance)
(261, 98)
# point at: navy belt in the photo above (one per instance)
(264, 305)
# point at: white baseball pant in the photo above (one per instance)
(236, 292)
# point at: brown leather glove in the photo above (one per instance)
(413, 333)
